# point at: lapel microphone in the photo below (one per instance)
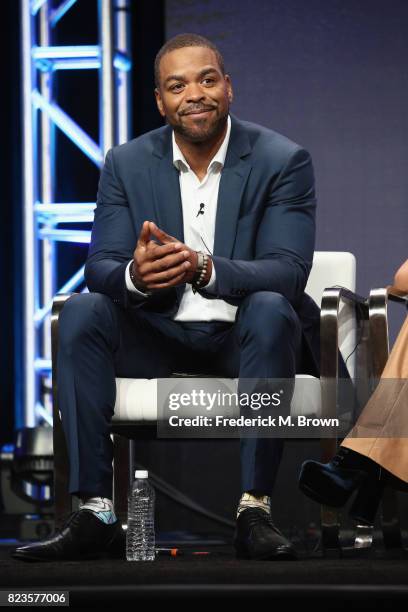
(201, 211)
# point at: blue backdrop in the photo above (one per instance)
(331, 75)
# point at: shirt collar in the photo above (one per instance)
(217, 161)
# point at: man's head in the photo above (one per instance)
(192, 90)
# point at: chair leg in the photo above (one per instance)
(62, 498)
(378, 318)
(390, 522)
(329, 517)
(121, 476)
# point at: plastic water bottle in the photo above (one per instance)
(140, 540)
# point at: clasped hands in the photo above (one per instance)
(160, 266)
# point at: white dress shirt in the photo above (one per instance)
(199, 232)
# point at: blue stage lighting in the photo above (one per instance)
(43, 216)
(69, 127)
(60, 11)
(69, 286)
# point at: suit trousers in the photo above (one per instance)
(99, 340)
(381, 431)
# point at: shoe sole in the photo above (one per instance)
(333, 496)
(35, 558)
(319, 498)
(267, 557)
(281, 556)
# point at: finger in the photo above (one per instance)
(165, 263)
(156, 251)
(160, 234)
(144, 234)
(175, 281)
(166, 275)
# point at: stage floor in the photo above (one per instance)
(361, 582)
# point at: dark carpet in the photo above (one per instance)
(371, 582)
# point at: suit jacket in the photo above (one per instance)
(265, 222)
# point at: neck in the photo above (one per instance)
(199, 154)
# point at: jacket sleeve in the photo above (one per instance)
(284, 242)
(113, 238)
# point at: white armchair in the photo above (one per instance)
(331, 284)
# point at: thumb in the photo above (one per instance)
(144, 234)
(160, 234)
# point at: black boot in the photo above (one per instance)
(333, 483)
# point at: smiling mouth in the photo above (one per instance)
(199, 112)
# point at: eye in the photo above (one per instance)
(209, 80)
(177, 87)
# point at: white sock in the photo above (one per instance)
(254, 501)
(102, 507)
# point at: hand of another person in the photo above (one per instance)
(400, 285)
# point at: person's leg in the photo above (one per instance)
(375, 452)
(97, 342)
(264, 343)
(384, 416)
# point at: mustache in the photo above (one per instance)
(196, 109)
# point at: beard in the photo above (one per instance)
(203, 130)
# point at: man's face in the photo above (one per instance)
(194, 95)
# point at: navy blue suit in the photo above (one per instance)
(263, 251)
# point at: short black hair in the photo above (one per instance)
(179, 42)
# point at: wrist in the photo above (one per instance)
(207, 276)
(137, 284)
(203, 271)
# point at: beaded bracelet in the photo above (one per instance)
(201, 271)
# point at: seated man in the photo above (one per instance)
(201, 248)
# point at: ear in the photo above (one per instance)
(159, 102)
(229, 88)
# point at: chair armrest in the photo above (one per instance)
(332, 300)
(378, 321)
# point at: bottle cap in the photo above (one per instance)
(141, 474)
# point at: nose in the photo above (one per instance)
(194, 93)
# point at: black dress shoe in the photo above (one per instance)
(256, 537)
(83, 536)
(333, 483)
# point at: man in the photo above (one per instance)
(201, 248)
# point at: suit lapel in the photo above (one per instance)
(166, 188)
(233, 180)
(166, 192)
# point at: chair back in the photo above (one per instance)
(330, 269)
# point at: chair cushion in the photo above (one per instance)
(136, 398)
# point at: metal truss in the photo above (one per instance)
(42, 115)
